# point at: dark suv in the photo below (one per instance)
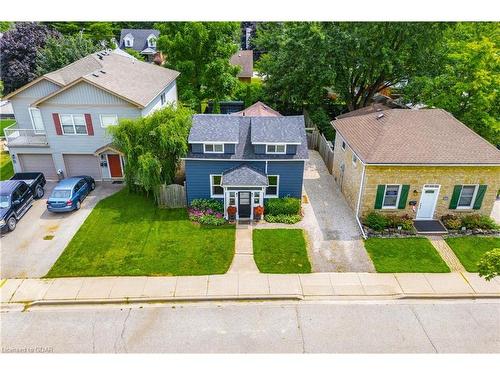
(16, 198)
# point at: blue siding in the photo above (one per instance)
(291, 175)
(197, 148)
(198, 175)
(260, 149)
(291, 149)
(229, 148)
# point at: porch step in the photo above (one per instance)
(429, 227)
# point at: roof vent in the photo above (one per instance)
(95, 75)
(379, 116)
(99, 56)
(102, 71)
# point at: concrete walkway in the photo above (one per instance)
(246, 285)
(243, 252)
(446, 253)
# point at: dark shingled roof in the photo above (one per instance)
(216, 128)
(284, 129)
(244, 175)
(140, 38)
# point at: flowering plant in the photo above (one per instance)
(259, 210)
(231, 210)
(208, 216)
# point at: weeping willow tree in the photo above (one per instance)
(153, 146)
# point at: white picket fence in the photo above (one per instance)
(317, 141)
(172, 196)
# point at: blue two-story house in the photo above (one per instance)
(243, 160)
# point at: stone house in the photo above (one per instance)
(424, 163)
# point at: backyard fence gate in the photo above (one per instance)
(172, 196)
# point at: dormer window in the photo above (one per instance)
(276, 149)
(214, 148)
(128, 40)
(152, 41)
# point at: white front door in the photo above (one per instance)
(36, 119)
(428, 202)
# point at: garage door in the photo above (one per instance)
(38, 163)
(77, 165)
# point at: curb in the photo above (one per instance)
(15, 306)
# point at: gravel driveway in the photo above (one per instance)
(25, 253)
(333, 231)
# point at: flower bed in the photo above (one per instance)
(206, 211)
(283, 210)
(379, 225)
(474, 223)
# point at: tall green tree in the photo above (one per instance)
(306, 62)
(467, 82)
(61, 50)
(153, 146)
(98, 32)
(201, 52)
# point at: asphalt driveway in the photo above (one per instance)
(336, 239)
(25, 252)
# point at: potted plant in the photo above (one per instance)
(231, 213)
(257, 213)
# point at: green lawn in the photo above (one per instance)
(469, 249)
(404, 255)
(4, 123)
(280, 251)
(6, 167)
(126, 234)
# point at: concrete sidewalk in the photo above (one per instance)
(246, 286)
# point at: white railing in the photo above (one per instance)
(17, 136)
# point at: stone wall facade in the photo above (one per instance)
(349, 180)
(417, 177)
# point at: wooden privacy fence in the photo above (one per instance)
(317, 141)
(172, 196)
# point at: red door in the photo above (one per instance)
(115, 166)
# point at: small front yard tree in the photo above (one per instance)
(489, 265)
(153, 146)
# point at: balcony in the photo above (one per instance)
(17, 136)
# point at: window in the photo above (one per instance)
(79, 185)
(232, 198)
(214, 148)
(129, 41)
(108, 120)
(152, 41)
(73, 124)
(276, 149)
(256, 198)
(354, 160)
(467, 196)
(163, 99)
(272, 188)
(36, 119)
(216, 190)
(391, 196)
(343, 145)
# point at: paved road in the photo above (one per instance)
(25, 253)
(340, 327)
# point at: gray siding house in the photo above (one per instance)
(62, 116)
(243, 160)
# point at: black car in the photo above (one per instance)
(16, 199)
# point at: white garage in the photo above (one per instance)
(77, 165)
(38, 163)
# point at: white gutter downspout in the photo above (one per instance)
(359, 203)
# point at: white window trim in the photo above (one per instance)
(163, 98)
(469, 207)
(107, 115)
(397, 197)
(152, 45)
(212, 185)
(37, 131)
(277, 187)
(213, 152)
(276, 146)
(354, 160)
(73, 121)
(129, 41)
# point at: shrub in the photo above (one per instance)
(283, 206)
(207, 204)
(489, 265)
(286, 219)
(476, 221)
(452, 222)
(376, 221)
(211, 220)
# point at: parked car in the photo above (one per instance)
(16, 198)
(69, 193)
(35, 181)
